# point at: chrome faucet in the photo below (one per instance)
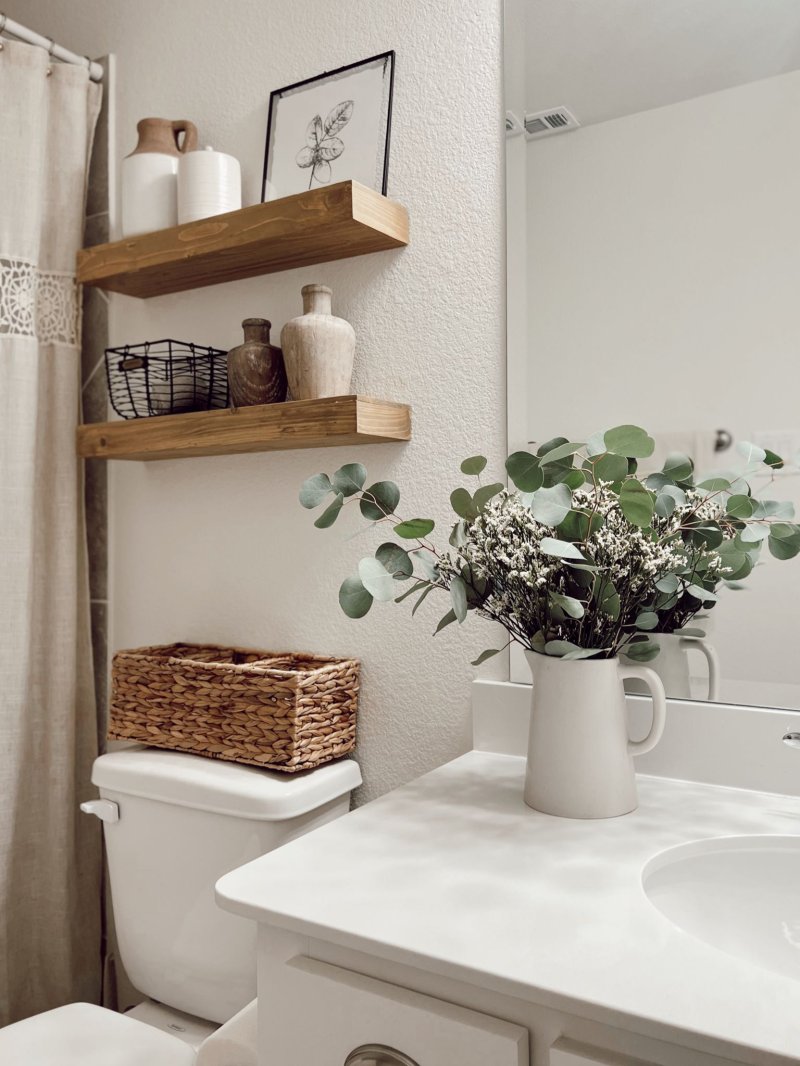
(792, 739)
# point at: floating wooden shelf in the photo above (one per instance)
(336, 222)
(272, 427)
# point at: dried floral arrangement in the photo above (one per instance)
(585, 557)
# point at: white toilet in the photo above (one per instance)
(174, 824)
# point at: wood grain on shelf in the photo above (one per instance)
(322, 423)
(336, 222)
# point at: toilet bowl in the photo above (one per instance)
(173, 825)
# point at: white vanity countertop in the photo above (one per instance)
(453, 874)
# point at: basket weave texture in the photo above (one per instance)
(286, 711)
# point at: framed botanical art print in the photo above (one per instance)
(333, 127)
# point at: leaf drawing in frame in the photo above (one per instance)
(322, 144)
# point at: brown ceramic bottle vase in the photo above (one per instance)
(255, 368)
(318, 348)
(150, 175)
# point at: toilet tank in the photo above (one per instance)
(184, 821)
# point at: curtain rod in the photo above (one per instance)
(22, 33)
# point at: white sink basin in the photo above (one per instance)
(739, 894)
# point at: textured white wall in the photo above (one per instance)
(218, 549)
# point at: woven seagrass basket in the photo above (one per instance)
(286, 711)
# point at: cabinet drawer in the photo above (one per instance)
(566, 1053)
(328, 1012)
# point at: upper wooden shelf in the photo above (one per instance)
(335, 222)
(272, 427)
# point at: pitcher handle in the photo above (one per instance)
(189, 131)
(713, 663)
(653, 682)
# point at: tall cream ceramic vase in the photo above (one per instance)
(580, 757)
(318, 348)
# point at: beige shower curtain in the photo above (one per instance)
(50, 862)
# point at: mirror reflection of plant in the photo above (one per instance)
(322, 145)
(585, 558)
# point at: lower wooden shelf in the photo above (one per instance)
(326, 423)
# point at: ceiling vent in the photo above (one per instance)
(546, 123)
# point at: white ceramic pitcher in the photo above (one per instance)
(580, 757)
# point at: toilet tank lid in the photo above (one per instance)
(222, 787)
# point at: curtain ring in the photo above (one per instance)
(3, 21)
(50, 51)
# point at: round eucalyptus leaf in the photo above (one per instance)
(379, 500)
(636, 503)
(415, 528)
(561, 451)
(349, 479)
(486, 493)
(665, 505)
(609, 467)
(475, 465)
(314, 490)
(579, 525)
(646, 620)
(568, 604)
(715, 484)
(559, 648)
(458, 598)
(752, 452)
(630, 441)
(427, 563)
(574, 479)
(354, 599)
(463, 505)
(678, 466)
(551, 506)
(669, 583)
(642, 651)
(773, 460)
(783, 549)
(376, 579)
(525, 471)
(740, 506)
(331, 512)
(697, 592)
(395, 560)
(562, 549)
(754, 533)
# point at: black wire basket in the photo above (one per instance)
(166, 377)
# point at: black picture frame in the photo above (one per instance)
(277, 94)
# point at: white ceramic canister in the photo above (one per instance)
(149, 175)
(209, 183)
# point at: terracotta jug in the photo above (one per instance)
(150, 175)
(318, 348)
(255, 368)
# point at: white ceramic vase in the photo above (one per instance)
(673, 666)
(580, 757)
(318, 348)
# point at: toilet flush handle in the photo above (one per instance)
(105, 810)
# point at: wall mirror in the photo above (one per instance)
(653, 227)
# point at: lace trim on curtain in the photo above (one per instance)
(38, 303)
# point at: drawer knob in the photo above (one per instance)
(377, 1055)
